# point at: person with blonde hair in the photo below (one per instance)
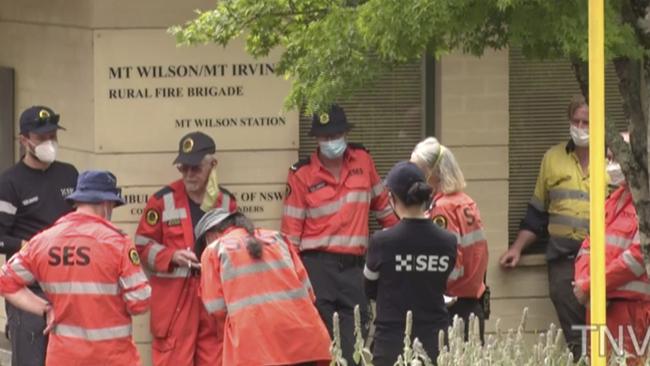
(454, 210)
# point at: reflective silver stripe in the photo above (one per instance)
(138, 295)
(178, 272)
(377, 190)
(230, 273)
(86, 288)
(568, 194)
(295, 240)
(225, 201)
(295, 212)
(21, 271)
(89, 334)
(636, 286)
(8, 208)
(583, 251)
(133, 280)
(384, 213)
(339, 240)
(154, 249)
(268, 297)
(141, 240)
(371, 275)
(215, 305)
(619, 241)
(170, 211)
(537, 204)
(637, 268)
(569, 221)
(456, 273)
(306, 284)
(330, 208)
(470, 238)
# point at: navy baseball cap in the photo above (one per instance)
(331, 123)
(402, 177)
(193, 147)
(94, 186)
(39, 119)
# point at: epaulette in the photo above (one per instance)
(357, 146)
(300, 163)
(225, 191)
(163, 191)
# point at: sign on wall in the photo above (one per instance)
(149, 93)
(153, 92)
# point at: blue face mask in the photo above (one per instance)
(333, 149)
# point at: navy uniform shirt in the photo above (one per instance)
(407, 267)
(31, 200)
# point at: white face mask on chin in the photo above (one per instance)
(46, 151)
(616, 176)
(580, 136)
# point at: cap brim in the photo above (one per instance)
(95, 197)
(193, 159)
(47, 129)
(329, 130)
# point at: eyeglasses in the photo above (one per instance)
(184, 169)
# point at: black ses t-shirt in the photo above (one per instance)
(407, 267)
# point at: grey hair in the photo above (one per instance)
(440, 162)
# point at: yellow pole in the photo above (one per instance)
(597, 174)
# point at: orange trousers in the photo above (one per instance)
(194, 337)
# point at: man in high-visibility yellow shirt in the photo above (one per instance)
(560, 207)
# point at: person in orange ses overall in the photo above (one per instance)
(254, 284)
(457, 212)
(90, 271)
(329, 198)
(628, 286)
(183, 333)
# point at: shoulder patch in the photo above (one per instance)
(134, 257)
(301, 163)
(357, 146)
(440, 220)
(152, 217)
(163, 191)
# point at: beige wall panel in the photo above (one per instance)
(521, 282)
(141, 328)
(53, 67)
(540, 313)
(250, 119)
(144, 349)
(482, 162)
(156, 169)
(139, 14)
(259, 202)
(60, 12)
(80, 159)
(474, 99)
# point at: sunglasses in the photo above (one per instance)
(184, 169)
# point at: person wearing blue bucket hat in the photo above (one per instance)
(86, 266)
(32, 197)
(407, 268)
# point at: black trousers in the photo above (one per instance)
(28, 344)
(569, 311)
(338, 284)
(463, 308)
(389, 343)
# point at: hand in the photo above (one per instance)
(185, 258)
(49, 319)
(510, 258)
(580, 295)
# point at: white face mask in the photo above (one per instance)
(616, 176)
(580, 136)
(46, 151)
